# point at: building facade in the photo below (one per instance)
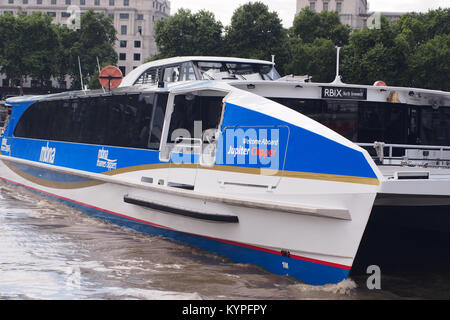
(134, 21)
(352, 12)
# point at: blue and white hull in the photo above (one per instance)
(289, 195)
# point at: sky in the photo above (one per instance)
(223, 10)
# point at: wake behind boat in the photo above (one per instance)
(221, 165)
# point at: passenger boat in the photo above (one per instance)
(223, 154)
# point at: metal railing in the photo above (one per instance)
(409, 155)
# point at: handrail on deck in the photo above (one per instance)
(405, 160)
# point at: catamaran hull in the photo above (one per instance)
(315, 249)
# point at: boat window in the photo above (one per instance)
(435, 125)
(119, 120)
(172, 74)
(243, 71)
(157, 122)
(342, 117)
(187, 72)
(192, 118)
(150, 76)
(358, 121)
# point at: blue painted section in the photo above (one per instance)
(79, 156)
(296, 149)
(308, 272)
(307, 151)
(17, 111)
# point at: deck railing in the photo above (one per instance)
(408, 155)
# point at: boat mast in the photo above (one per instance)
(337, 79)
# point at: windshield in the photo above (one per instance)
(240, 71)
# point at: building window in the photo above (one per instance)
(25, 1)
(96, 2)
(325, 6)
(123, 29)
(38, 1)
(122, 56)
(312, 6)
(111, 3)
(10, 1)
(123, 43)
(137, 57)
(68, 2)
(339, 7)
(51, 13)
(111, 15)
(139, 28)
(122, 69)
(126, 3)
(137, 44)
(65, 14)
(82, 2)
(124, 15)
(53, 1)
(140, 16)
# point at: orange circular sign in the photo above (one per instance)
(380, 83)
(110, 77)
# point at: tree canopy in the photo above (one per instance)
(31, 46)
(27, 46)
(186, 33)
(412, 52)
(257, 33)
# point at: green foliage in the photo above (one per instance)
(31, 46)
(95, 39)
(27, 46)
(185, 34)
(257, 33)
(316, 59)
(309, 25)
(430, 63)
(412, 52)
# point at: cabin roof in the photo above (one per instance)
(131, 77)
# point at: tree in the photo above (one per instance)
(185, 34)
(257, 33)
(430, 64)
(95, 39)
(309, 25)
(28, 47)
(412, 52)
(317, 59)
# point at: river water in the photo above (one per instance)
(49, 250)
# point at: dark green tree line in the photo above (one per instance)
(31, 46)
(413, 51)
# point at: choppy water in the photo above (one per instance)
(49, 250)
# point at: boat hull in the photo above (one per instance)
(300, 245)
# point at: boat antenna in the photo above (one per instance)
(338, 77)
(81, 74)
(273, 66)
(98, 66)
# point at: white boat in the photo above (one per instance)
(202, 150)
